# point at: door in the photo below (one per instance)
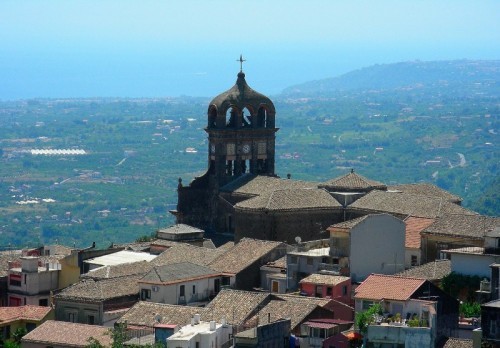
(275, 286)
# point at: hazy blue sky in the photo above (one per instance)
(169, 48)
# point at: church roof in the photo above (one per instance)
(352, 182)
(291, 199)
(472, 226)
(241, 96)
(426, 189)
(250, 184)
(407, 204)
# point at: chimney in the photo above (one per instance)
(212, 325)
(196, 319)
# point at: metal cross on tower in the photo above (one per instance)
(241, 60)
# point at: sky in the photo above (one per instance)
(149, 48)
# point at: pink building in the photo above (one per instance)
(327, 286)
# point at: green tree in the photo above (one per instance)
(365, 318)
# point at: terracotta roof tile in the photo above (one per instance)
(254, 185)
(235, 306)
(458, 343)
(352, 182)
(177, 272)
(324, 279)
(472, 226)
(347, 225)
(182, 252)
(91, 290)
(66, 334)
(426, 189)
(415, 225)
(378, 286)
(407, 204)
(431, 271)
(291, 199)
(244, 253)
(143, 314)
(28, 312)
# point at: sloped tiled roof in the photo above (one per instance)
(347, 225)
(407, 204)
(324, 279)
(143, 314)
(116, 271)
(250, 184)
(175, 272)
(27, 312)
(352, 182)
(61, 333)
(5, 257)
(235, 306)
(471, 226)
(426, 189)
(378, 287)
(431, 271)
(243, 254)
(291, 199)
(415, 225)
(187, 253)
(179, 229)
(91, 290)
(278, 309)
(458, 343)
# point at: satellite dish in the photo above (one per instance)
(298, 239)
(158, 318)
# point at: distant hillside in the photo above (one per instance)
(449, 74)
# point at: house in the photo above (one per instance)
(327, 286)
(201, 334)
(495, 280)
(325, 333)
(433, 271)
(6, 258)
(182, 283)
(298, 309)
(310, 257)
(275, 334)
(273, 276)
(490, 322)
(369, 244)
(405, 299)
(244, 259)
(97, 302)
(25, 317)
(453, 231)
(413, 251)
(30, 282)
(59, 334)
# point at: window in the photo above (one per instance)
(90, 320)
(329, 291)
(344, 290)
(194, 289)
(414, 260)
(182, 290)
(325, 260)
(15, 279)
(367, 304)
(293, 260)
(43, 302)
(309, 261)
(145, 294)
(72, 316)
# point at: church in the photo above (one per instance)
(241, 195)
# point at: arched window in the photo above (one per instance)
(232, 117)
(212, 117)
(262, 117)
(246, 118)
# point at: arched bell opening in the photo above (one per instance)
(212, 117)
(246, 117)
(232, 118)
(262, 117)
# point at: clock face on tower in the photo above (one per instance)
(246, 148)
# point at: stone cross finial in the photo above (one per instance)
(241, 60)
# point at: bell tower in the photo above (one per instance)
(241, 133)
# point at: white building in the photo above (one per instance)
(201, 334)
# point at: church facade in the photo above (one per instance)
(240, 193)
